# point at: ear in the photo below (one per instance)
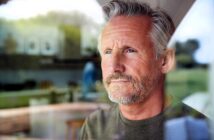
(168, 60)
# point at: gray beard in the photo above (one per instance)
(127, 100)
(142, 90)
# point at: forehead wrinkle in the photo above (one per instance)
(120, 42)
(115, 30)
(112, 28)
(125, 38)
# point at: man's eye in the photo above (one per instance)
(107, 51)
(130, 50)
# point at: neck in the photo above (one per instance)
(152, 106)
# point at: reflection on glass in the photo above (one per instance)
(44, 46)
(189, 81)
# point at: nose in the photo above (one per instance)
(117, 63)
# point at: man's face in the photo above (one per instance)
(129, 64)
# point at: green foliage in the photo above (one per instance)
(184, 82)
(184, 59)
(185, 53)
(22, 98)
(71, 34)
(68, 25)
(10, 44)
(56, 18)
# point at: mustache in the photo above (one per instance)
(116, 76)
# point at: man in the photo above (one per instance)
(134, 61)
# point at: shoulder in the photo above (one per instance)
(100, 117)
(96, 122)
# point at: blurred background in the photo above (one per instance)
(50, 76)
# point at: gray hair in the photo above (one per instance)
(162, 24)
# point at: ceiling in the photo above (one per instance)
(3, 1)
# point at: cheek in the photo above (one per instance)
(136, 67)
(105, 69)
(139, 69)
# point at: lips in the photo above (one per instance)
(119, 80)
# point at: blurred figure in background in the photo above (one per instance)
(89, 80)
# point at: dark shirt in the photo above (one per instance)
(111, 125)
